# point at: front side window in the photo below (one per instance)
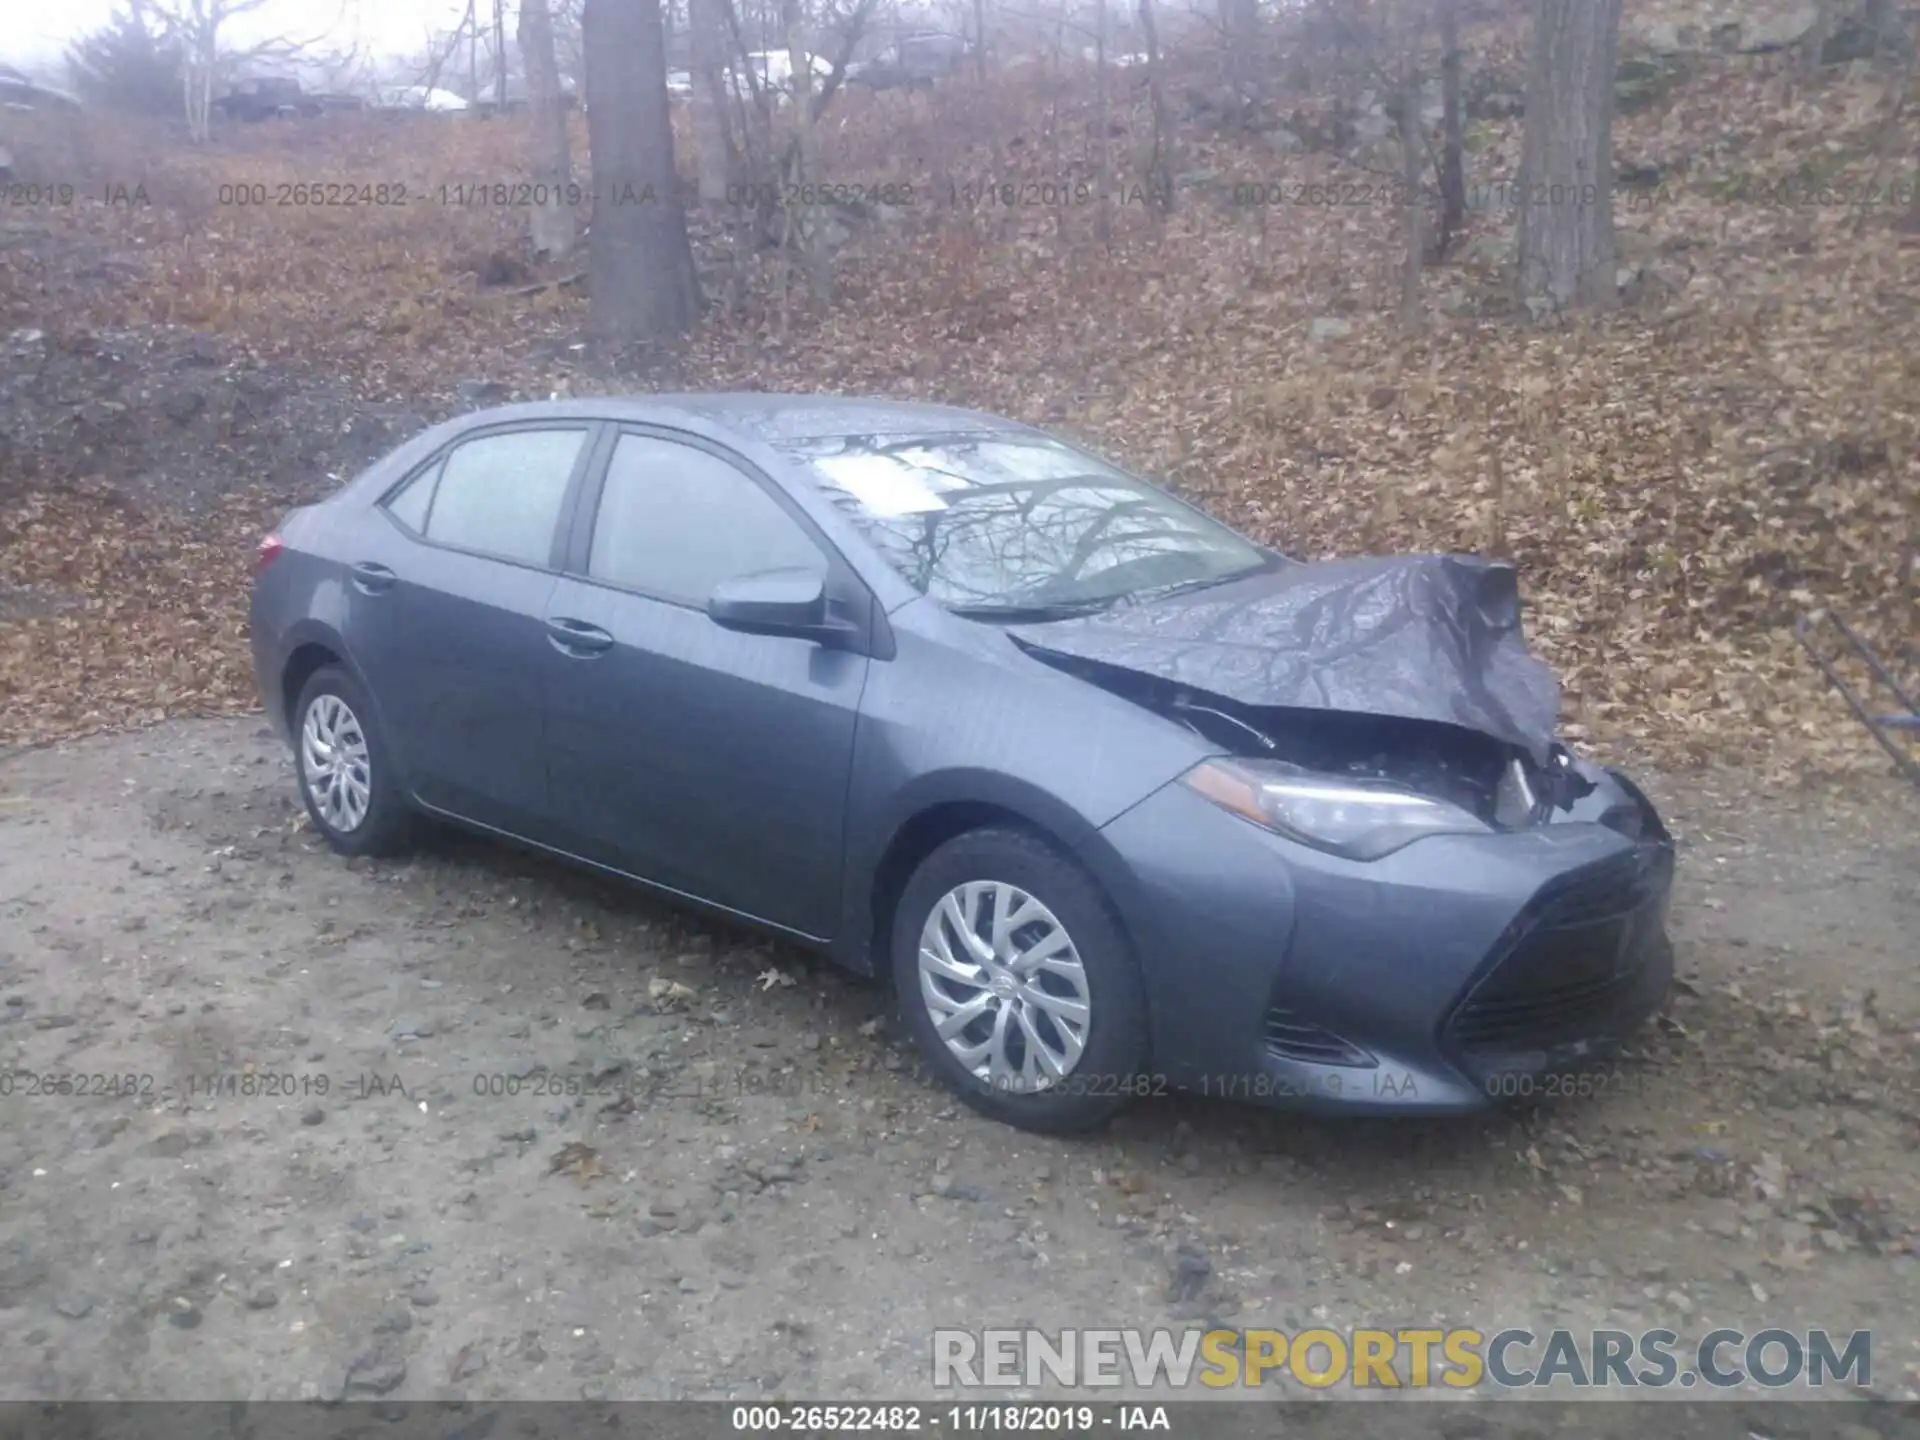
(992, 523)
(501, 494)
(676, 522)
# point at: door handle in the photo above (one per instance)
(577, 638)
(371, 579)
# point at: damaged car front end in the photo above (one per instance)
(1381, 915)
(1373, 880)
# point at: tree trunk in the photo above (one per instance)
(473, 54)
(639, 263)
(805, 214)
(1453, 167)
(980, 39)
(500, 56)
(712, 153)
(1241, 21)
(1103, 137)
(552, 166)
(1160, 167)
(1410, 128)
(1565, 239)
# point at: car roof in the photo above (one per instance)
(768, 417)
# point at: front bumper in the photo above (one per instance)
(1439, 979)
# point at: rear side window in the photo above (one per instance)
(409, 507)
(501, 494)
(675, 522)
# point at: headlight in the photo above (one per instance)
(1354, 818)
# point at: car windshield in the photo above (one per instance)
(997, 524)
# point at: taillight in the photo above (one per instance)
(270, 547)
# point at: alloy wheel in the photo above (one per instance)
(1004, 985)
(334, 763)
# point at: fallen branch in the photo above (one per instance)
(539, 285)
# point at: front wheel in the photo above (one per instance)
(1018, 984)
(346, 773)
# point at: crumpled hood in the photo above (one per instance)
(1426, 637)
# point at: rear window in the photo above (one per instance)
(501, 494)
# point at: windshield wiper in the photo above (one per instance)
(1034, 614)
(1199, 582)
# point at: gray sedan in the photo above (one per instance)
(1121, 802)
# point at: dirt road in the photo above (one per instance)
(345, 1158)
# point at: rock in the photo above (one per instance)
(376, 1373)
(1762, 31)
(74, 1307)
(481, 393)
(393, 1322)
(312, 1115)
(1644, 81)
(1373, 127)
(1495, 251)
(184, 1314)
(20, 1271)
(468, 1363)
(411, 1028)
(425, 1297)
(1191, 1269)
(183, 405)
(1329, 327)
(55, 1022)
(264, 1298)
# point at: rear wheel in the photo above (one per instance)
(346, 775)
(1018, 984)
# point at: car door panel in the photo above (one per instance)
(475, 643)
(706, 760)
(710, 762)
(454, 640)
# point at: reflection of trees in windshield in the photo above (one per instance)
(1001, 521)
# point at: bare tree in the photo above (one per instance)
(196, 26)
(1160, 163)
(1565, 237)
(552, 219)
(500, 55)
(803, 214)
(712, 148)
(1453, 176)
(1407, 119)
(1103, 133)
(640, 264)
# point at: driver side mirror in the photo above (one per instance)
(777, 602)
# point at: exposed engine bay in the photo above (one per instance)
(1494, 779)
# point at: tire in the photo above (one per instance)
(334, 702)
(1096, 1082)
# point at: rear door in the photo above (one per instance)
(461, 604)
(707, 761)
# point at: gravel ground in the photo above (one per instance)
(319, 1184)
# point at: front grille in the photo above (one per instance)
(1498, 1023)
(1573, 959)
(1291, 1038)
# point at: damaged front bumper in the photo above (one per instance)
(1439, 979)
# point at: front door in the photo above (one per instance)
(705, 760)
